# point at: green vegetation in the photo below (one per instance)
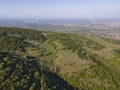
(18, 73)
(36, 60)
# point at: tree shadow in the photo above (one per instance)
(55, 82)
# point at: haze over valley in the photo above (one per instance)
(103, 27)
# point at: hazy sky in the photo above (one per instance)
(60, 8)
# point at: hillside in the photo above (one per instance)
(38, 60)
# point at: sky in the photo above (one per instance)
(59, 8)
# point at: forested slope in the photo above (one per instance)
(37, 60)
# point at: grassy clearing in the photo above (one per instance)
(68, 61)
(48, 54)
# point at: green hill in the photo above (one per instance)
(37, 60)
